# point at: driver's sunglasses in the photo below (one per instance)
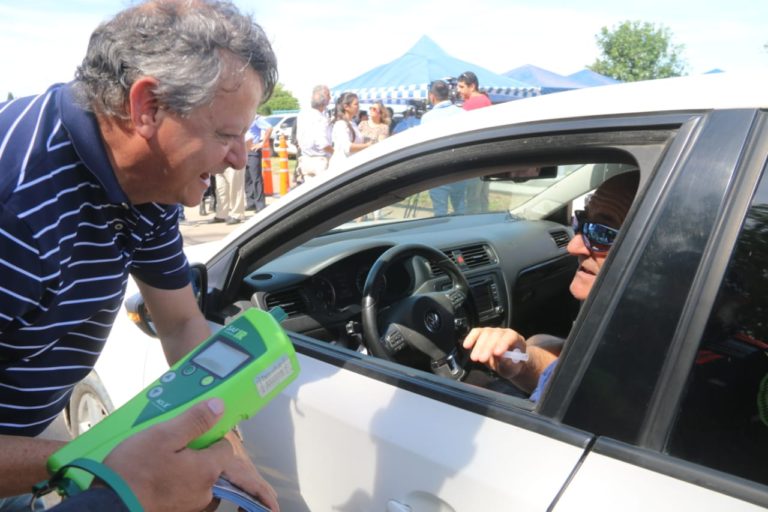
(597, 237)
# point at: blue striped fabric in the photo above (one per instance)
(68, 239)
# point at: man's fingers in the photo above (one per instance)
(194, 422)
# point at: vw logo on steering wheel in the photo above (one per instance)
(432, 321)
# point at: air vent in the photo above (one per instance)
(468, 257)
(561, 238)
(289, 300)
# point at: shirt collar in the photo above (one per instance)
(86, 138)
(443, 104)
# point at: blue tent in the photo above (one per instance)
(589, 78)
(548, 81)
(408, 77)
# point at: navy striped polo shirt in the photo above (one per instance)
(69, 237)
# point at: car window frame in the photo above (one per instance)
(587, 136)
(739, 138)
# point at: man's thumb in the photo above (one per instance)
(195, 421)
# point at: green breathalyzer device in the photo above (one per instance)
(246, 364)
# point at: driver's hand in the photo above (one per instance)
(488, 345)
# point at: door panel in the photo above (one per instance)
(339, 440)
(604, 483)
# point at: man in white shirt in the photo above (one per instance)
(313, 133)
(442, 106)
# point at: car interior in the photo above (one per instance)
(405, 283)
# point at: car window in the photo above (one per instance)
(723, 420)
(531, 199)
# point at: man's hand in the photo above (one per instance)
(488, 345)
(240, 471)
(165, 475)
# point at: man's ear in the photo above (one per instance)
(143, 106)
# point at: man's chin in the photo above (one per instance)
(581, 286)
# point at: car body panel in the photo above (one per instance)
(604, 483)
(399, 446)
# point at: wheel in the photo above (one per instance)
(88, 404)
(427, 322)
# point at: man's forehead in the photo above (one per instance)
(612, 200)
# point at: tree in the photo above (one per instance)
(281, 99)
(10, 96)
(638, 51)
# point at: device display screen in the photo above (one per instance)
(220, 358)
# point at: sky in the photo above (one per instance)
(42, 41)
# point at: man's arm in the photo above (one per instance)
(181, 327)
(180, 324)
(488, 345)
(23, 463)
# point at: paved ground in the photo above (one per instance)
(198, 229)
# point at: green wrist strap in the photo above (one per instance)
(98, 470)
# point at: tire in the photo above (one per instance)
(88, 404)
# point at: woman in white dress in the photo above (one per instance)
(345, 135)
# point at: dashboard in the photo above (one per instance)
(319, 284)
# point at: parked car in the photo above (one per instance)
(283, 124)
(659, 399)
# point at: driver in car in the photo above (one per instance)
(599, 226)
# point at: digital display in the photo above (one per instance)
(220, 358)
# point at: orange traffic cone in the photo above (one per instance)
(284, 178)
(266, 169)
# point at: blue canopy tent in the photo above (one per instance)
(407, 78)
(548, 81)
(589, 78)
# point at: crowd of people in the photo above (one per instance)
(324, 137)
(324, 140)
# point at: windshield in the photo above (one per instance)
(532, 199)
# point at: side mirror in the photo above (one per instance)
(198, 276)
(139, 314)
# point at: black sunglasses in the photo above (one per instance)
(597, 237)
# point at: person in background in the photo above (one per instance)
(230, 197)
(259, 134)
(598, 226)
(443, 107)
(91, 177)
(440, 99)
(346, 137)
(469, 89)
(313, 134)
(410, 119)
(376, 127)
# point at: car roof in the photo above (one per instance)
(690, 93)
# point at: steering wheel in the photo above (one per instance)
(429, 321)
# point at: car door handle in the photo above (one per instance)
(396, 506)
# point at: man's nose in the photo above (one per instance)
(576, 246)
(237, 156)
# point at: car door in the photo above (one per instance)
(357, 433)
(678, 344)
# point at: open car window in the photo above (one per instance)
(531, 193)
(507, 234)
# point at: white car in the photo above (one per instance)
(283, 124)
(659, 399)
